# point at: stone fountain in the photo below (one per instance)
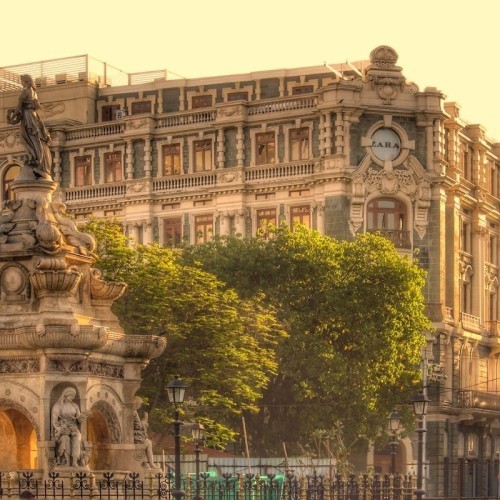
(68, 373)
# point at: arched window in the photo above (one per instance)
(388, 216)
(9, 175)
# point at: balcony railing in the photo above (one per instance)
(184, 182)
(184, 119)
(94, 131)
(90, 193)
(478, 399)
(470, 321)
(400, 238)
(280, 171)
(283, 105)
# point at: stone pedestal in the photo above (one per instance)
(58, 336)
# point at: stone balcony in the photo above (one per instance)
(191, 183)
(478, 399)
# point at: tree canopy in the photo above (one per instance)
(302, 334)
(223, 346)
(354, 313)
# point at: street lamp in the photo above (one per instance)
(394, 422)
(198, 433)
(176, 389)
(420, 404)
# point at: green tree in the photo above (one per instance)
(223, 346)
(354, 312)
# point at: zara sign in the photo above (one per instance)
(386, 144)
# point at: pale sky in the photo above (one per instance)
(448, 44)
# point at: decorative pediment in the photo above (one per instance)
(409, 182)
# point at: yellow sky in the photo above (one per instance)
(446, 44)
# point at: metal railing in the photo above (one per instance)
(400, 238)
(478, 399)
(227, 487)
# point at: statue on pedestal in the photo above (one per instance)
(141, 433)
(34, 134)
(66, 419)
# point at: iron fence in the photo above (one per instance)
(111, 485)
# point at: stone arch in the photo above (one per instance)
(104, 431)
(19, 435)
(110, 418)
(8, 172)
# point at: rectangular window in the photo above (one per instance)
(172, 232)
(465, 236)
(493, 178)
(299, 144)
(467, 153)
(201, 101)
(113, 167)
(492, 250)
(171, 159)
(108, 112)
(265, 218)
(202, 155)
(83, 171)
(303, 89)
(204, 228)
(141, 107)
(237, 96)
(266, 148)
(300, 215)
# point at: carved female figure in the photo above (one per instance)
(34, 134)
(66, 419)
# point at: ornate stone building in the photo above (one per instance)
(344, 149)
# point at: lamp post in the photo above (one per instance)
(394, 422)
(420, 404)
(176, 390)
(198, 433)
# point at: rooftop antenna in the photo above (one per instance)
(356, 70)
(334, 71)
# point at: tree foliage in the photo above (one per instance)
(354, 313)
(223, 346)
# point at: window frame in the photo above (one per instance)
(267, 141)
(207, 225)
(88, 176)
(105, 156)
(168, 223)
(164, 154)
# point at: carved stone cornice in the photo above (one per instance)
(134, 346)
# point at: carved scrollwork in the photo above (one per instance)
(22, 365)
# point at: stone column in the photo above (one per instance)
(240, 147)
(339, 133)
(328, 148)
(129, 162)
(478, 236)
(147, 232)
(182, 99)
(240, 222)
(220, 148)
(319, 208)
(147, 157)
(57, 165)
(133, 232)
(225, 223)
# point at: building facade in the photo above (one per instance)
(343, 149)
